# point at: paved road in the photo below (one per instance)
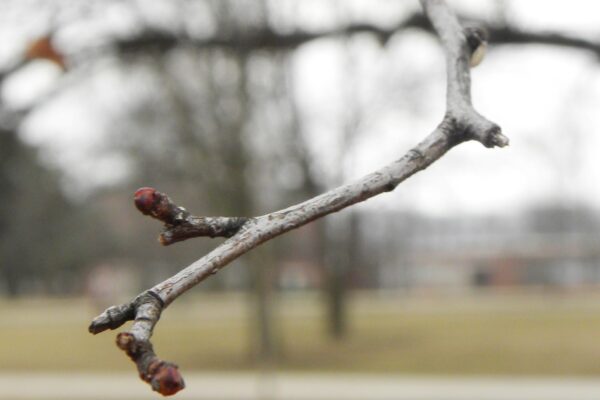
(201, 386)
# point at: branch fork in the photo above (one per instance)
(463, 47)
(144, 310)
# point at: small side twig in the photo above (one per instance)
(179, 223)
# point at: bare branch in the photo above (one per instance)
(259, 39)
(507, 34)
(461, 122)
(268, 39)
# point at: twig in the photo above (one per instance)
(179, 223)
(460, 123)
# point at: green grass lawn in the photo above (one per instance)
(480, 334)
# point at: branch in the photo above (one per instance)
(460, 123)
(179, 223)
(268, 39)
(511, 35)
(258, 39)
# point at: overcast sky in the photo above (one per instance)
(545, 99)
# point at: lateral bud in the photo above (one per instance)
(150, 201)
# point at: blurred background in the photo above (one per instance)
(485, 265)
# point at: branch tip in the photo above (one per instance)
(499, 140)
(112, 318)
(150, 201)
(145, 199)
(166, 378)
(163, 376)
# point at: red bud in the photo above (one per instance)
(167, 380)
(145, 199)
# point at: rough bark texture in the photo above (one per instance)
(460, 123)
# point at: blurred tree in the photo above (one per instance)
(46, 241)
(197, 129)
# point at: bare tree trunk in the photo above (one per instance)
(265, 343)
(11, 279)
(336, 296)
(341, 264)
